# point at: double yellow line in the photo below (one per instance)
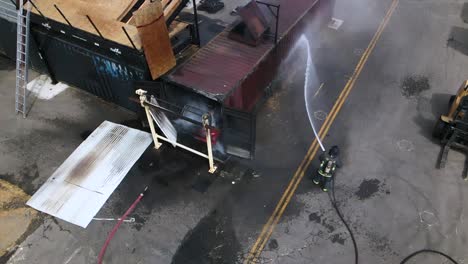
(268, 228)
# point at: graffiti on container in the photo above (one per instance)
(115, 70)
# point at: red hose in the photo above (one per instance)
(114, 230)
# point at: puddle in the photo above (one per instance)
(413, 85)
(337, 238)
(368, 188)
(213, 240)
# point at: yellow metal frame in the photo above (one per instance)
(462, 92)
(205, 121)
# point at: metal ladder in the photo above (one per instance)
(22, 57)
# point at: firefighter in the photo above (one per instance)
(328, 164)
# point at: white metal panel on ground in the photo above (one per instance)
(81, 185)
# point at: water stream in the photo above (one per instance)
(304, 42)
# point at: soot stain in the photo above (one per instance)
(413, 85)
(368, 188)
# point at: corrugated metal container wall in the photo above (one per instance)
(8, 11)
(91, 69)
(103, 76)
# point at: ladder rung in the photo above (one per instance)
(21, 60)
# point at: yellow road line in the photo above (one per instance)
(299, 174)
(318, 91)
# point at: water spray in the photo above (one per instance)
(303, 39)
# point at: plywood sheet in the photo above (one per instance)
(103, 13)
(155, 39)
(81, 185)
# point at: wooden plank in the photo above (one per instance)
(165, 2)
(149, 14)
(155, 39)
(126, 10)
(171, 8)
(176, 27)
(131, 21)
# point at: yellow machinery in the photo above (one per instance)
(452, 129)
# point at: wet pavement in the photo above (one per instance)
(388, 189)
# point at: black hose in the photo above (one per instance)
(427, 251)
(332, 197)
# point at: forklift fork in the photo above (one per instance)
(447, 144)
(450, 141)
